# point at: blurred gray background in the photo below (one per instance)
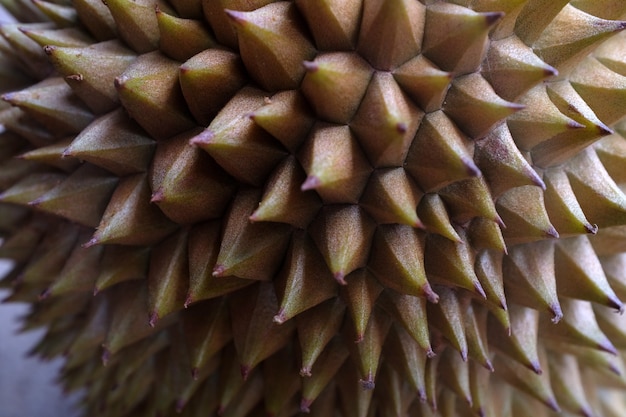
(27, 387)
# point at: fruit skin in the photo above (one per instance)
(343, 208)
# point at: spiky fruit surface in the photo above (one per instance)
(348, 208)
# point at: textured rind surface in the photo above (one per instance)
(365, 208)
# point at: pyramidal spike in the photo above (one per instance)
(316, 327)
(336, 167)
(113, 142)
(250, 250)
(530, 282)
(261, 33)
(334, 23)
(283, 200)
(391, 196)
(236, 143)
(455, 37)
(180, 38)
(523, 212)
(512, 68)
(188, 186)
(448, 148)
(571, 35)
(167, 275)
(424, 82)
(360, 295)
(101, 23)
(136, 23)
(335, 84)
(60, 14)
(255, 334)
(397, 261)
(391, 32)
(52, 103)
(475, 107)
(385, 122)
(304, 280)
(91, 70)
(150, 92)
(208, 80)
(343, 234)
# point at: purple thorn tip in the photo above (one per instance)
(591, 228)
(106, 356)
(305, 371)
(280, 318)
(195, 373)
(203, 138)
(310, 66)
(557, 314)
(152, 320)
(367, 384)
(305, 405)
(493, 17)
(310, 183)
(245, 371)
(402, 128)
(536, 367)
(93, 241)
(188, 301)
(236, 16)
(44, 294)
(340, 278)
(219, 270)
(157, 196)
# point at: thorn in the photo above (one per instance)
(157, 196)
(340, 277)
(479, 290)
(203, 138)
(551, 402)
(195, 373)
(430, 354)
(305, 405)
(106, 356)
(44, 294)
(310, 183)
(431, 296)
(471, 168)
(219, 270)
(557, 314)
(591, 228)
(305, 371)
(154, 317)
(536, 367)
(492, 17)
(245, 371)
(401, 127)
(367, 384)
(552, 233)
(280, 317)
(236, 16)
(188, 300)
(48, 49)
(75, 77)
(489, 366)
(93, 241)
(310, 66)
(359, 338)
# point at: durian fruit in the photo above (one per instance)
(349, 208)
